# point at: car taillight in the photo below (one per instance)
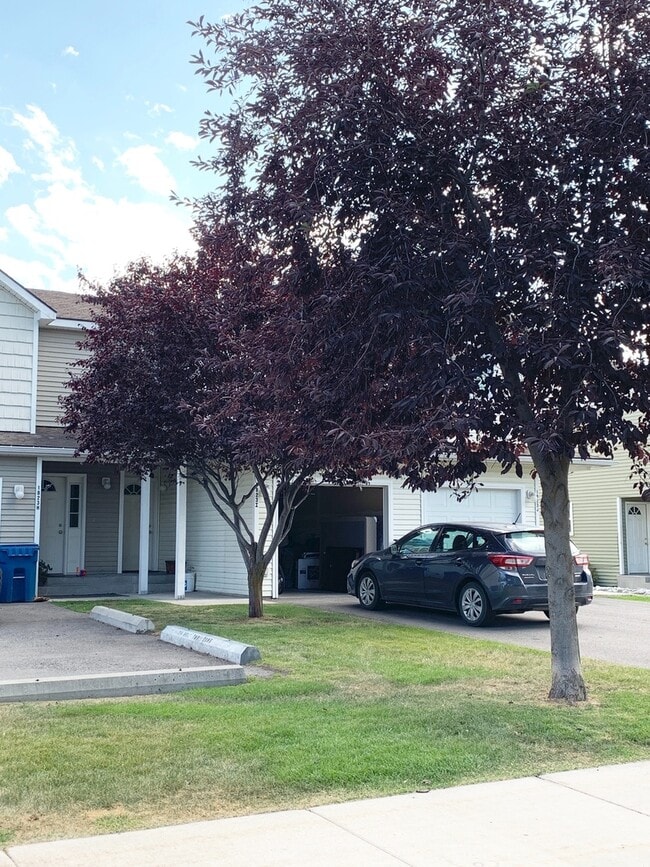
(581, 560)
(510, 561)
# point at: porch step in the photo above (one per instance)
(60, 586)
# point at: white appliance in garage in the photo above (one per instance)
(498, 505)
(309, 572)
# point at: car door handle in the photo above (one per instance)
(418, 561)
(458, 561)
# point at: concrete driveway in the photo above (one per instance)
(43, 640)
(612, 630)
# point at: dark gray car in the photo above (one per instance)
(476, 570)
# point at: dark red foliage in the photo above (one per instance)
(198, 365)
(462, 192)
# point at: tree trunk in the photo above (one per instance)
(566, 671)
(255, 582)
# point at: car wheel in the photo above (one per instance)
(368, 593)
(474, 606)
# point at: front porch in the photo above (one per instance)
(103, 584)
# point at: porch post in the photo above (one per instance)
(120, 525)
(181, 535)
(143, 559)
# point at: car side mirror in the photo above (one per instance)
(394, 550)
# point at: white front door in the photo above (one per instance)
(52, 539)
(131, 541)
(637, 533)
(62, 523)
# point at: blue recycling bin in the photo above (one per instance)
(18, 571)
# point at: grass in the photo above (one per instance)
(628, 596)
(354, 709)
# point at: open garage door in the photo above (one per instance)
(494, 505)
(330, 529)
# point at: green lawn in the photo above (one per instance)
(629, 596)
(353, 709)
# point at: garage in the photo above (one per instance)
(495, 505)
(330, 529)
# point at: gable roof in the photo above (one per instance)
(66, 305)
(49, 304)
(38, 305)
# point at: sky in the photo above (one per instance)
(99, 116)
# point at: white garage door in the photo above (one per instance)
(496, 505)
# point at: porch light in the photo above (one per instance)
(106, 483)
(19, 491)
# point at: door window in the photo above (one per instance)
(74, 506)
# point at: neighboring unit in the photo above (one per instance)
(612, 523)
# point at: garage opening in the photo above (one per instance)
(330, 529)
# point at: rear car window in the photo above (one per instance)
(531, 542)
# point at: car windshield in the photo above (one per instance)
(531, 542)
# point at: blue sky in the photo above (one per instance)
(99, 113)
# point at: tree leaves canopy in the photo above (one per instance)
(463, 191)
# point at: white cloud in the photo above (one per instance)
(143, 164)
(70, 51)
(158, 108)
(181, 141)
(66, 225)
(57, 153)
(8, 165)
(99, 164)
(36, 274)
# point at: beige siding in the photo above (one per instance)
(595, 492)
(57, 351)
(17, 516)
(212, 549)
(16, 362)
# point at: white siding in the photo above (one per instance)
(17, 516)
(408, 511)
(267, 587)
(405, 510)
(16, 362)
(57, 351)
(212, 549)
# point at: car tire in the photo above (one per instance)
(368, 592)
(474, 606)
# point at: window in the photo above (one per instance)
(420, 542)
(74, 506)
(132, 491)
(456, 539)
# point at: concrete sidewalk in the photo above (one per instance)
(590, 818)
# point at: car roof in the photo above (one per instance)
(487, 525)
